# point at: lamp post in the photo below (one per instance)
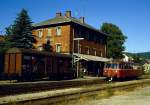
(77, 39)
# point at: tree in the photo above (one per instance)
(19, 34)
(3, 45)
(47, 46)
(115, 40)
(2, 41)
(136, 58)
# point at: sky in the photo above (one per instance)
(131, 16)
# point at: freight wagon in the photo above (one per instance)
(27, 64)
(1, 64)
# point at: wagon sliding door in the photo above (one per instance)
(27, 66)
(12, 65)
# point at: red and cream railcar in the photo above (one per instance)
(121, 70)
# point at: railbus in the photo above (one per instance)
(121, 70)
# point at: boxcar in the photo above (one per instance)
(1, 64)
(121, 70)
(25, 64)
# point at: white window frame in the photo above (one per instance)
(80, 49)
(58, 44)
(58, 31)
(49, 32)
(40, 33)
(40, 47)
(101, 54)
(87, 50)
(95, 52)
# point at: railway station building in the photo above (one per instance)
(69, 35)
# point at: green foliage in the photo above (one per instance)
(3, 48)
(139, 57)
(136, 58)
(12, 103)
(47, 46)
(109, 90)
(145, 55)
(19, 34)
(115, 42)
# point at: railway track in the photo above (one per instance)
(51, 97)
(28, 87)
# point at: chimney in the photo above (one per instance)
(58, 14)
(68, 14)
(82, 19)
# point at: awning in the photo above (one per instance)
(91, 58)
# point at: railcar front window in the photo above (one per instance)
(107, 65)
(114, 66)
(121, 66)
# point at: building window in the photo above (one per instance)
(101, 54)
(95, 53)
(58, 30)
(78, 33)
(80, 49)
(94, 38)
(97, 39)
(40, 47)
(58, 47)
(87, 50)
(87, 35)
(40, 33)
(49, 32)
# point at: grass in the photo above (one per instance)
(12, 103)
(8, 81)
(146, 94)
(109, 90)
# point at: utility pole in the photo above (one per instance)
(78, 39)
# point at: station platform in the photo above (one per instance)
(12, 87)
(58, 95)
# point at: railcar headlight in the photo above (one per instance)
(116, 71)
